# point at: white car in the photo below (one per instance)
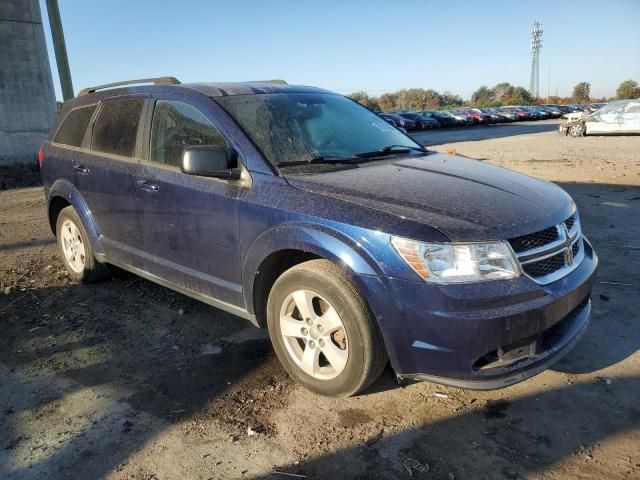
(619, 117)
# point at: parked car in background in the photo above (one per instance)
(471, 119)
(544, 114)
(462, 119)
(508, 116)
(592, 107)
(395, 120)
(522, 114)
(553, 111)
(478, 115)
(493, 117)
(561, 108)
(401, 122)
(421, 122)
(444, 119)
(615, 118)
(308, 215)
(577, 107)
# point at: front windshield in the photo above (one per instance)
(300, 127)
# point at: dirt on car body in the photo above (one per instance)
(127, 379)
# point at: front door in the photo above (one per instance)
(189, 223)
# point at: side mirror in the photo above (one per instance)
(210, 161)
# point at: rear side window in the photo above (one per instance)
(116, 127)
(73, 126)
(177, 125)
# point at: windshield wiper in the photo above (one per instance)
(391, 149)
(320, 159)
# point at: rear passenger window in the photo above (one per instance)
(71, 132)
(116, 127)
(177, 125)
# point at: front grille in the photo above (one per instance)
(575, 248)
(550, 254)
(534, 240)
(570, 221)
(546, 266)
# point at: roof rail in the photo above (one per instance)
(155, 81)
(276, 81)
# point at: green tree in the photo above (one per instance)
(388, 101)
(364, 99)
(519, 96)
(582, 92)
(418, 99)
(502, 91)
(482, 97)
(628, 89)
(449, 100)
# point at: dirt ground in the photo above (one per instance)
(129, 380)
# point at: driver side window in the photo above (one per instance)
(177, 125)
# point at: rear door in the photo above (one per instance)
(104, 174)
(66, 144)
(189, 223)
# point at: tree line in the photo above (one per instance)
(417, 99)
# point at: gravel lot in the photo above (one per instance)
(126, 379)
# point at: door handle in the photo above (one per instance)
(148, 186)
(81, 169)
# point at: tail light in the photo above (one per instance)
(40, 157)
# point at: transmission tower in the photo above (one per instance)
(536, 45)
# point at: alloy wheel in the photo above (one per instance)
(314, 334)
(72, 246)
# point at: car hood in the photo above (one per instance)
(576, 115)
(465, 199)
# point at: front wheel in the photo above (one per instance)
(322, 330)
(577, 130)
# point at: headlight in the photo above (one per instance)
(458, 262)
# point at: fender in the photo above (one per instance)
(317, 239)
(65, 189)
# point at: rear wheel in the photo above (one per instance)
(322, 330)
(76, 250)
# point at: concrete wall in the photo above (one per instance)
(27, 99)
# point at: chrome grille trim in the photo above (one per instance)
(568, 241)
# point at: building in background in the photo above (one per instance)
(27, 98)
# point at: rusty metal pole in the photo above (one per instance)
(60, 49)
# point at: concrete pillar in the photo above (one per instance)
(27, 98)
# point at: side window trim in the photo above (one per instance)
(144, 131)
(89, 125)
(139, 134)
(149, 127)
(86, 140)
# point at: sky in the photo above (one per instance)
(345, 46)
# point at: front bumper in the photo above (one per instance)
(481, 335)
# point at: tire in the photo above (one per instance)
(577, 130)
(355, 352)
(76, 250)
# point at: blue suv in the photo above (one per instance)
(307, 214)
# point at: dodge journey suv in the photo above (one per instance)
(311, 216)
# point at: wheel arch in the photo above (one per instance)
(281, 248)
(63, 194)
